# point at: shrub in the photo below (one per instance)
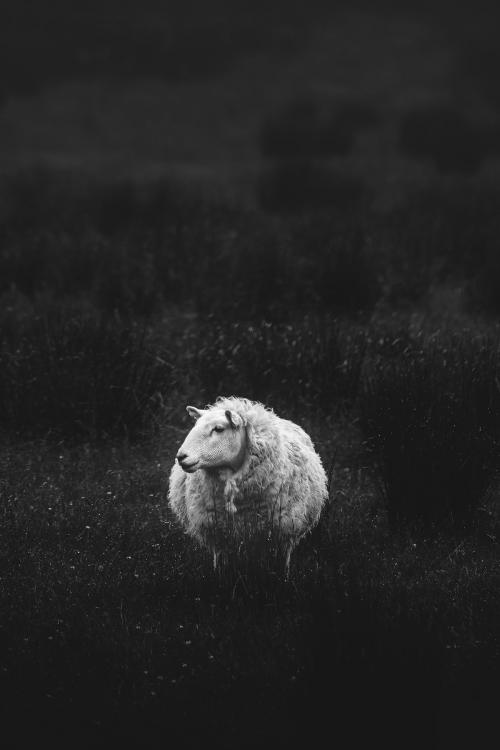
(429, 408)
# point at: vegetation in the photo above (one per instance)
(430, 411)
(122, 303)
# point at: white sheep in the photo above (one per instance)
(241, 470)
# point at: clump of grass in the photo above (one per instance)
(75, 373)
(429, 409)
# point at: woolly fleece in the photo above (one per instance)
(281, 485)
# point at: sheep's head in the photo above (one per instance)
(217, 441)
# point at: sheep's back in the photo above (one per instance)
(305, 489)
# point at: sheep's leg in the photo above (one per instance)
(288, 555)
(216, 555)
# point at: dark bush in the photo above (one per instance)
(430, 411)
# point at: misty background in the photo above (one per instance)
(392, 96)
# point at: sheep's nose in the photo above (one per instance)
(181, 456)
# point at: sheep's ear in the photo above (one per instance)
(234, 419)
(194, 412)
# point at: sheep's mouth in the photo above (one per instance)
(188, 467)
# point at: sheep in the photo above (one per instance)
(241, 470)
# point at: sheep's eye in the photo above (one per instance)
(218, 428)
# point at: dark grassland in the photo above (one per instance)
(378, 333)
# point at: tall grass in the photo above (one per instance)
(429, 408)
(77, 374)
(142, 249)
(447, 235)
(70, 370)
(311, 364)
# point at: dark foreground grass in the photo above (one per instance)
(116, 632)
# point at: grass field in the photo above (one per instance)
(114, 628)
(297, 224)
